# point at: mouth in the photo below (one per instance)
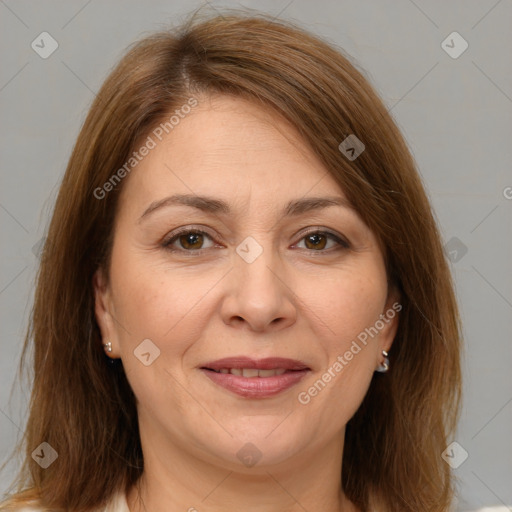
(243, 363)
(252, 378)
(251, 372)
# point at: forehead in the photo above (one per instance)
(231, 148)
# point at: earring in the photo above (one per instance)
(108, 346)
(384, 367)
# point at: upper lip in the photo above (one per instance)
(269, 363)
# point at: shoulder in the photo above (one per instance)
(6, 506)
(28, 508)
(117, 503)
(9, 505)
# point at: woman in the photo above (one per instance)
(243, 301)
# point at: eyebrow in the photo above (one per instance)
(218, 206)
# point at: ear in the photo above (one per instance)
(390, 317)
(103, 311)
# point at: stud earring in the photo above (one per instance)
(384, 367)
(108, 346)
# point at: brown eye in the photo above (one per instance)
(317, 241)
(192, 240)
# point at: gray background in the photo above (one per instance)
(454, 112)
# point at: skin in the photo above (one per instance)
(295, 300)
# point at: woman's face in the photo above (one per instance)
(250, 279)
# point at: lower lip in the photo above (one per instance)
(256, 387)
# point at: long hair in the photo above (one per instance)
(84, 407)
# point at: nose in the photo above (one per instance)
(259, 298)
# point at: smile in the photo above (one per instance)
(251, 372)
(253, 383)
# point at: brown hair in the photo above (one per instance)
(85, 409)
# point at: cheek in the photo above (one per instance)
(162, 305)
(355, 301)
(347, 302)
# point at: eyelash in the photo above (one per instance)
(166, 244)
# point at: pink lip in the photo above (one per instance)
(256, 387)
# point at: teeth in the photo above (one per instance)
(265, 373)
(252, 372)
(268, 373)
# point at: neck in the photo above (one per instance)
(310, 482)
(232, 493)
